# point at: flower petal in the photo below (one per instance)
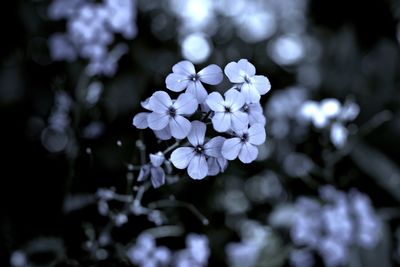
(184, 67)
(213, 147)
(213, 167)
(140, 120)
(143, 173)
(240, 120)
(198, 90)
(197, 133)
(157, 159)
(215, 102)
(160, 102)
(247, 67)
(186, 104)
(232, 71)
(157, 177)
(234, 99)
(248, 153)
(257, 134)
(180, 127)
(176, 82)
(157, 121)
(212, 74)
(261, 83)
(231, 148)
(198, 167)
(163, 134)
(251, 95)
(181, 157)
(221, 121)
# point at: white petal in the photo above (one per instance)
(145, 103)
(176, 82)
(213, 147)
(213, 167)
(257, 134)
(261, 83)
(232, 71)
(211, 74)
(248, 153)
(157, 159)
(186, 104)
(140, 120)
(215, 102)
(221, 121)
(234, 99)
(157, 177)
(163, 134)
(197, 133)
(231, 148)
(239, 120)
(197, 89)
(181, 157)
(250, 93)
(160, 102)
(331, 107)
(180, 127)
(184, 67)
(157, 121)
(198, 167)
(247, 67)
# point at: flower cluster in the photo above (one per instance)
(90, 31)
(146, 253)
(331, 114)
(331, 227)
(236, 117)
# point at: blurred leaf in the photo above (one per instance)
(379, 167)
(274, 253)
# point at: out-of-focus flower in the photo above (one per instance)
(145, 253)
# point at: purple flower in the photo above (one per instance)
(184, 76)
(216, 165)
(195, 158)
(244, 144)
(228, 114)
(154, 170)
(251, 85)
(169, 113)
(255, 113)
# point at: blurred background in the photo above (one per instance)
(324, 191)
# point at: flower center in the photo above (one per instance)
(247, 79)
(244, 138)
(194, 77)
(172, 111)
(199, 149)
(246, 108)
(227, 109)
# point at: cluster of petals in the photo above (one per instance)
(236, 116)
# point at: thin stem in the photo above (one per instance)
(177, 143)
(165, 231)
(176, 203)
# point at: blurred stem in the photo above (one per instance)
(176, 203)
(165, 231)
(376, 121)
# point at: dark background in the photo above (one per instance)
(361, 58)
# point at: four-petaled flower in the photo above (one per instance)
(169, 112)
(194, 158)
(184, 76)
(251, 85)
(228, 114)
(244, 144)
